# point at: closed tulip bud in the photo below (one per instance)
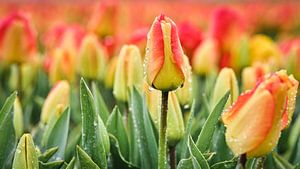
(175, 125)
(226, 81)
(184, 94)
(205, 57)
(92, 58)
(58, 96)
(17, 39)
(254, 122)
(164, 56)
(129, 72)
(62, 65)
(251, 75)
(264, 49)
(25, 155)
(18, 118)
(110, 72)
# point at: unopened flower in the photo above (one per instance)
(164, 56)
(129, 72)
(17, 39)
(254, 122)
(59, 96)
(251, 75)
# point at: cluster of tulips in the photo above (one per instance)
(169, 97)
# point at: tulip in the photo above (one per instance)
(184, 94)
(58, 96)
(92, 58)
(226, 81)
(254, 122)
(205, 57)
(62, 65)
(175, 125)
(110, 72)
(129, 72)
(18, 118)
(164, 56)
(251, 75)
(263, 49)
(17, 39)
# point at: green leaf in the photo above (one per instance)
(225, 164)
(295, 157)
(196, 153)
(101, 107)
(71, 164)
(75, 136)
(206, 134)
(188, 128)
(185, 164)
(59, 134)
(51, 165)
(115, 126)
(85, 160)
(119, 160)
(143, 131)
(47, 154)
(93, 131)
(25, 155)
(7, 132)
(281, 162)
(297, 166)
(293, 137)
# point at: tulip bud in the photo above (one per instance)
(62, 65)
(110, 72)
(184, 94)
(129, 72)
(58, 96)
(92, 58)
(251, 75)
(18, 118)
(164, 56)
(263, 49)
(226, 81)
(205, 57)
(25, 155)
(254, 122)
(17, 39)
(175, 125)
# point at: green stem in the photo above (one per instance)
(260, 163)
(162, 146)
(19, 82)
(172, 154)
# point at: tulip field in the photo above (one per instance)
(178, 84)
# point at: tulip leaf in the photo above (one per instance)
(118, 160)
(197, 154)
(295, 157)
(59, 134)
(143, 131)
(71, 164)
(100, 105)
(51, 165)
(185, 164)
(93, 130)
(75, 136)
(85, 160)
(281, 162)
(115, 126)
(47, 154)
(293, 136)
(206, 134)
(188, 128)
(25, 155)
(7, 132)
(225, 164)
(297, 166)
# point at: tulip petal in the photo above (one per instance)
(245, 132)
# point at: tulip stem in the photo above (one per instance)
(19, 82)
(242, 161)
(162, 146)
(260, 163)
(172, 153)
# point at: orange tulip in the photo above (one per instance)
(17, 39)
(164, 56)
(254, 122)
(251, 75)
